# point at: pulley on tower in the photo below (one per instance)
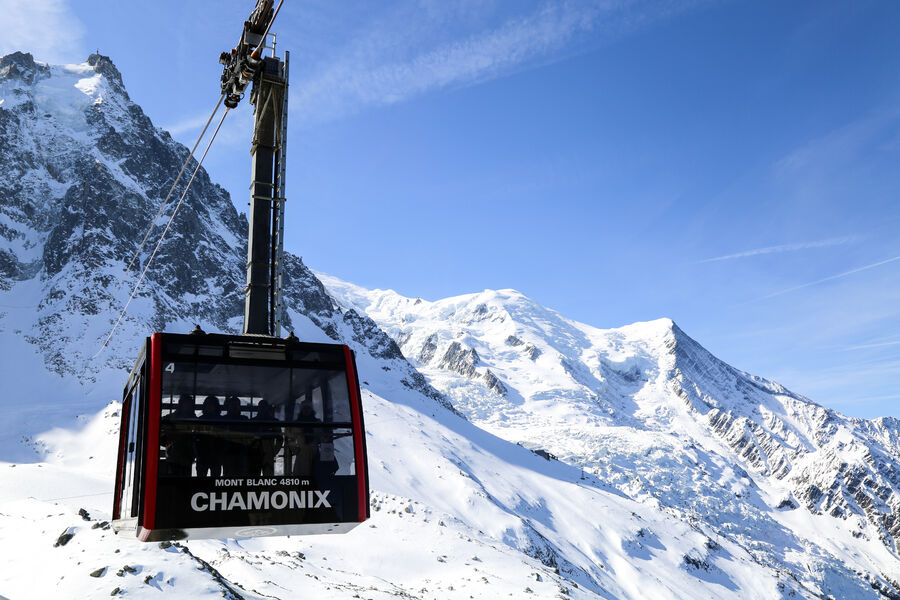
(243, 61)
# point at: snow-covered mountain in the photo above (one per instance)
(647, 409)
(698, 480)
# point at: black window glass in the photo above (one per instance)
(252, 420)
(319, 396)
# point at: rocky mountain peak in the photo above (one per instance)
(104, 65)
(88, 169)
(21, 66)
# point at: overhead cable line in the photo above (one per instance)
(165, 231)
(166, 201)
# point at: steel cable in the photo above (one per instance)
(166, 201)
(163, 236)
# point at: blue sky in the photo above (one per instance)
(731, 165)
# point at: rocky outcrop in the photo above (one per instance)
(494, 384)
(460, 360)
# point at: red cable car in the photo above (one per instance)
(244, 435)
(240, 436)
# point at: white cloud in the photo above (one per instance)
(46, 28)
(842, 148)
(406, 55)
(782, 248)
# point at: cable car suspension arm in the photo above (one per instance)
(242, 63)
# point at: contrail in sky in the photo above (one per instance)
(782, 248)
(831, 278)
(876, 345)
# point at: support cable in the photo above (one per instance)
(166, 201)
(165, 231)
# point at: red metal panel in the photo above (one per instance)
(152, 456)
(358, 433)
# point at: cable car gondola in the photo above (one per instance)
(243, 435)
(240, 436)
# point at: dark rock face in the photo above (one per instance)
(494, 384)
(104, 66)
(426, 354)
(513, 341)
(532, 351)
(85, 186)
(460, 360)
(64, 538)
(106, 185)
(21, 66)
(85, 171)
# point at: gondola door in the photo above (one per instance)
(131, 462)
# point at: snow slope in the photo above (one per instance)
(457, 513)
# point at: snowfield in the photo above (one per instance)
(456, 513)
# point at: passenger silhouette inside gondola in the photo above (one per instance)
(178, 443)
(267, 443)
(236, 444)
(209, 446)
(307, 413)
(316, 460)
(315, 455)
(303, 443)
